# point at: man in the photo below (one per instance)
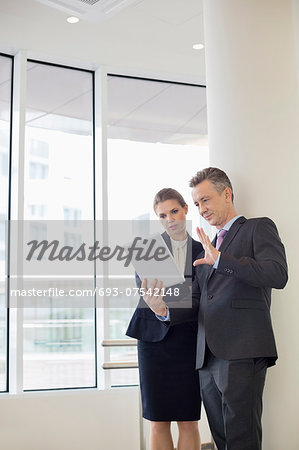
(232, 297)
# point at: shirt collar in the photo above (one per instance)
(229, 223)
(178, 244)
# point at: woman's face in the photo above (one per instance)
(173, 217)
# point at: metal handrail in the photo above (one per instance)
(119, 343)
(134, 365)
(126, 365)
(120, 365)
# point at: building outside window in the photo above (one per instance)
(59, 342)
(156, 137)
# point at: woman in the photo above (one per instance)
(168, 380)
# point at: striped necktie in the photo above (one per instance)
(220, 237)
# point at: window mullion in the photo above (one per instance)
(17, 214)
(101, 206)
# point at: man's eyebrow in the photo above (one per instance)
(201, 198)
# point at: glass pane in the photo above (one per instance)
(59, 343)
(157, 131)
(5, 108)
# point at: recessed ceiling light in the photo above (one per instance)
(197, 46)
(72, 19)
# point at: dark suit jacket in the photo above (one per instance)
(233, 302)
(144, 325)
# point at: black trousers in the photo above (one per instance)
(232, 396)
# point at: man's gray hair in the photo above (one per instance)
(216, 176)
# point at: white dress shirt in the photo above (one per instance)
(179, 250)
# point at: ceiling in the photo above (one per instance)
(151, 38)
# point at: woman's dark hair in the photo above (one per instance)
(168, 194)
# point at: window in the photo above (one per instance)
(5, 133)
(4, 165)
(157, 137)
(38, 171)
(59, 342)
(36, 210)
(39, 149)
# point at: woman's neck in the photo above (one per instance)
(179, 237)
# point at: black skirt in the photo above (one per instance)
(169, 382)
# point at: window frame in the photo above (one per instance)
(9, 154)
(14, 372)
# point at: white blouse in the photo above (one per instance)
(179, 249)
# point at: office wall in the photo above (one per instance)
(253, 117)
(77, 420)
(253, 135)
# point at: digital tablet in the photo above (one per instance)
(154, 260)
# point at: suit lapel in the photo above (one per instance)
(189, 259)
(232, 233)
(167, 241)
(211, 268)
(227, 240)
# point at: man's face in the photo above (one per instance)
(215, 208)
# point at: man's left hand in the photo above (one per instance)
(211, 253)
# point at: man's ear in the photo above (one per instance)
(228, 193)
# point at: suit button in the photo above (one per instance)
(210, 297)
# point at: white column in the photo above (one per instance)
(253, 135)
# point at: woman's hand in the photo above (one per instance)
(153, 297)
(211, 253)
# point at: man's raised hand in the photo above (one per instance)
(211, 253)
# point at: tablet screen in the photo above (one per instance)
(152, 259)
